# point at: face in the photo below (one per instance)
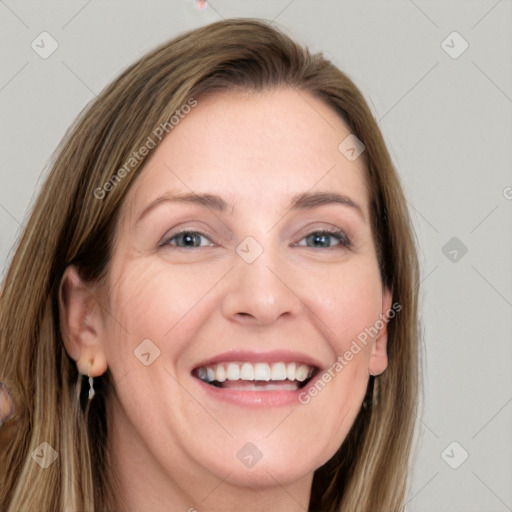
(265, 275)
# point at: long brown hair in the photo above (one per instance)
(73, 223)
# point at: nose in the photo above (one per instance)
(262, 291)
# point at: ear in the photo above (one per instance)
(82, 323)
(379, 356)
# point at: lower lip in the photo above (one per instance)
(254, 398)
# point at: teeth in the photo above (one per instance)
(290, 371)
(261, 371)
(247, 372)
(288, 386)
(220, 373)
(233, 371)
(278, 371)
(301, 373)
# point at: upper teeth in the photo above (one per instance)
(255, 371)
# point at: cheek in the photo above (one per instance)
(149, 303)
(348, 307)
(348, 303)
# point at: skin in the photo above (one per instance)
(173, 447)
(7, 407)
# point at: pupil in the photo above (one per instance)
(321, 239)
(189, 239)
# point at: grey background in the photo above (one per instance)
(448, 124)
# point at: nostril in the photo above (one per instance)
(248, 315)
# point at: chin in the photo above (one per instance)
(263, 463)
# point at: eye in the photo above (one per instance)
(322, 239)
(187, 239)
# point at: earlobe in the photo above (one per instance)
(379, 356)
(81, 323)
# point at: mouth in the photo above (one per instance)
(261, 376)
(245, 378)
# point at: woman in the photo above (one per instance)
(214, 303)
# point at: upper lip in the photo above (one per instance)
(273, 356)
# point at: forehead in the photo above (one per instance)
(253, 148)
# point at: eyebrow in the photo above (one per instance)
(303, 201)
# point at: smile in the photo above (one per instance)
(261, 376)
(257, 379)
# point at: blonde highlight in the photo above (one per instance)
(70, 224)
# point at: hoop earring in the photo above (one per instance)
(91, 382)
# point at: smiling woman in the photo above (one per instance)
(240, 306)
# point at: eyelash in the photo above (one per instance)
(340, 235)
